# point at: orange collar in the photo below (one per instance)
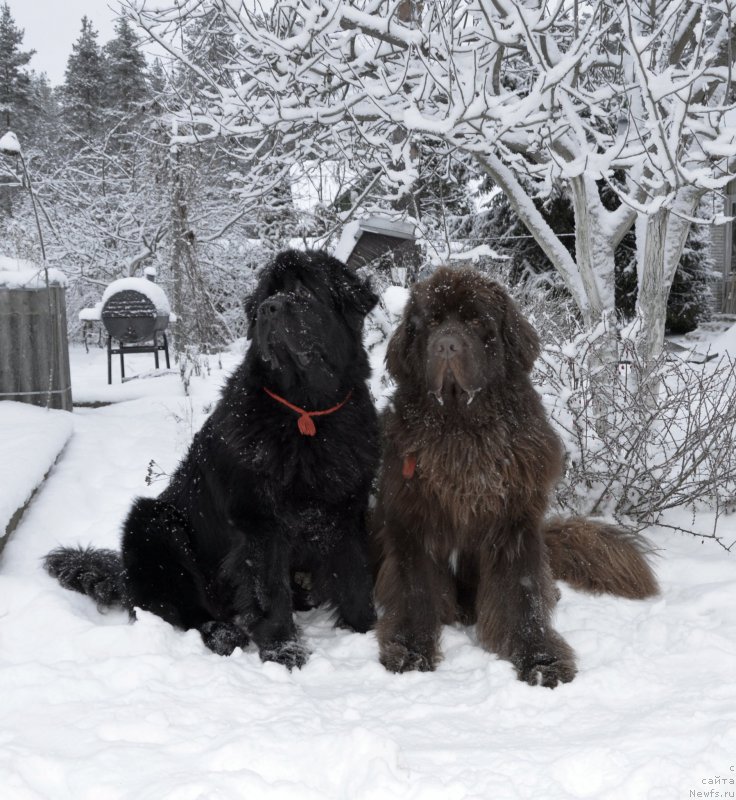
(305, 422)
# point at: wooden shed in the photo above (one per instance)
(384, 244)
(34, 353)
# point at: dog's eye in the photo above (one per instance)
(302, 292)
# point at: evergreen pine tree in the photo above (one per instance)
(84, 85)
(125, 85)
(15, 82)
(157, 79)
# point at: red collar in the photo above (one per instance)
(305, 422)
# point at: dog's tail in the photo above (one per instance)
(600, 558)
(96, 573)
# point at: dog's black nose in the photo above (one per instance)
(447, 345)
(271, 308)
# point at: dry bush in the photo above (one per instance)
(638, 442)
(648, 452)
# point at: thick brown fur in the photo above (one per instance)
(599, 558)
(469, 461)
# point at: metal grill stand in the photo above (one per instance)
(131, 318)
(121, 349)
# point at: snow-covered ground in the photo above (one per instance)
(32, 438)
(93, 708)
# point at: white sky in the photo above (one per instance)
(52, 26)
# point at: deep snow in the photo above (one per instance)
(93, 708)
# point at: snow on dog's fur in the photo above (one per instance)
(267, 509)
(470, 460)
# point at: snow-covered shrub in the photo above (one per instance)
(649, 454)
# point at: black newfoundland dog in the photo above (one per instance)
(470, 459)
(266, 512)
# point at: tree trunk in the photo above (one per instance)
(661, 238)
(178, 245)
(545, 237)
(594, 255)
(651, 299)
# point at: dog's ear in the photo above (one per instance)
(357, 295)
(250, 307)
(353, 294)
(397, 352)
(519, 337)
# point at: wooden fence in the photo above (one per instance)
(34, 354)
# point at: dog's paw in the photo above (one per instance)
(397, 657)
(289, 654)
(544, 669)
(222, 637)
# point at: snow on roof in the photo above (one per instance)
(388, 227)
(380, 225)
(19, 273)
(349, 236)
(151, 290)
(9, 144)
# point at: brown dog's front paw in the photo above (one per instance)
(398, 657)
(543, 669)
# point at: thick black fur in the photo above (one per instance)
(97, 573)
(258, 518)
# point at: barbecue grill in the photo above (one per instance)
(136, 314)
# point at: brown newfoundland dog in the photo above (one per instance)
(469, 462)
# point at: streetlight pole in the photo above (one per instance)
(10, 146)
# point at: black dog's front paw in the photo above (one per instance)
(289, 654)
(223, 637)
(545, 669)
(398, 657)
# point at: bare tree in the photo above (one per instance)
(537, 92)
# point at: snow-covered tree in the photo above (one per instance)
(125, 69)
(15, 82)
(537, 93)
(84, 85)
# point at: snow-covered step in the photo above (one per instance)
(32, 439)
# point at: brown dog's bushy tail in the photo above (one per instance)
(600, 558)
